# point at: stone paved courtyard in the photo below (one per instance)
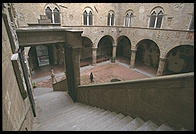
(103, 72)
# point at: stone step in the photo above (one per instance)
(68, 116)
(66, 110)
(87, 122)
(100, 125)
(164, 127)
(134, 124)
(147, 126)
(105, 113)
(71, 120)
(117, 125)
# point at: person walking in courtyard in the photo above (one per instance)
(91, 77)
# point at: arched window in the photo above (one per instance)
(128, 18)
(88, 17)
(156, 18)
(110, 18)
(48, 13)
(85, 17)
(56, 15)
(159, 19)
(53, 13)
(191, 27)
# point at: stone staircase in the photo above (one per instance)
(57, 112)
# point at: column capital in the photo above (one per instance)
(133, 50)
(163, 58)
(94, 48)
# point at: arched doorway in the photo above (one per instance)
(180, 59)
(86, 52)
(147, 56)
(33, 61)
(123, 52)
(104, 50)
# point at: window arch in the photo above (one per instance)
(128, 18)
(110, 19)
(156, 17)
(48, 13)
(88, 17)
(53, 13)
(191, 27)
(56, 15)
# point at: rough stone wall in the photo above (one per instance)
(177, 15)
(15, 109)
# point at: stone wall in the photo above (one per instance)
(60, 85)
(149, 99)
(16, 110)
(177, 15)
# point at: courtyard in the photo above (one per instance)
(103, 72)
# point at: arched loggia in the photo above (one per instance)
(180, 59)
(123, 51)
(147, 56)
(104, 50)
(86, 52)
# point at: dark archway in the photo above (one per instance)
(104, 50)
(147, 56)
(180, 59)
(86, 52)
(32, 59)
(123, 51)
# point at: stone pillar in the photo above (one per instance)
(132, 60)
(54, 55)
(76, 64)
(94, 56)
(161, 66)
(113, 54)
(72, 59)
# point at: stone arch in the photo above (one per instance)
(180, 59)
(157, 8)
(174, 46)
(52, 6)
(104, 48)
(32, 58)
(97, 40)
(86, 51)
(147, 54)
(123, 50)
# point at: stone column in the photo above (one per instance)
(76, 64)
(54, 55)
(132, 60)
(113, 54)
(161, 66)
(94, 56)
(72, 67)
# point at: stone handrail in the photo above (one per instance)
(60, 85)
(165, 99)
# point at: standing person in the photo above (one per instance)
(53, 76)
(91, 77)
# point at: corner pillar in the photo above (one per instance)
(161, 66)
(72, 67)
(132, 60)
(113, 54)
(94, 56)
